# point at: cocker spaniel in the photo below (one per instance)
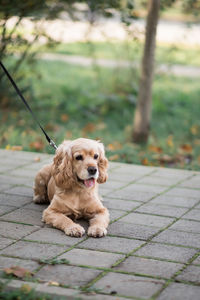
(70, 184)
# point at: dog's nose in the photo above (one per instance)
(92, 170)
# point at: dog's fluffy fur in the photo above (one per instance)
(72, 190)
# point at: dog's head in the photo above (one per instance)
(80, 162)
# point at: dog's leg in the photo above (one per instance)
(40, 188)
(60, 221)
(99, 223)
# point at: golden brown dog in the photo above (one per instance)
(70, 184)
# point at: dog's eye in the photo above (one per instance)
(96, 156)
(79, 157)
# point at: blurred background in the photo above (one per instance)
(79, 65)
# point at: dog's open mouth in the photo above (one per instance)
(87, 182)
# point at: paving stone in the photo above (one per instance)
(38, 207)
(112, 184)
(161, 251)
(4, 242)
(33, 250)
(4, 186)
(152, 180)
(149, 220)
(14, 200)
(6, 262)
(162, 210)
(194, 214)
(132, 230)
(6, 209)
(175, 201)
(22, 172)
(147, 266)
(191, 274)
(91, 258)
(172, 173)
(129, 285)
(120, 204)
(52, 235)
(194, 182)
(144, 188)
(196, 261)
(25, 216)
(16, 231)
(186, 225)
(133, 196)
(6, 168)
(68, 275)
(178, 238)
(126, 178)
(180, 291)
(14, 180)
(183, 192)
(115, 214)
(20, 190)
(113, 244)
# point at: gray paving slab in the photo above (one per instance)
(186, 225)
(14, 200)
(92, 258)
(7, 262)
(162, 210)
(132, 230)
(180, 291)
(129, 285)
(190, 274)
(175, 201)
(67, 275)
(120, 204)
(192, 183)
(15, 231)
(4, 242)
(147, 266)
(178, 238)
(128, 195)
(25, 216)
(145, 219)
(30, 250)
(54, 236)
(168, 252)
(20, 190)
(112, 244)
(184, 192)
(6, 209)
(22, 172)
(153, 180)
(194, 214)
(115, 214)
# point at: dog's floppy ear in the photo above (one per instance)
(102, 165)
(62, 166)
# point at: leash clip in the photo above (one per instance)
(52, 144)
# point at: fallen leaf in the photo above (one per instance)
(8, 147)
(16, 148)
(155, 149)
(37, 159)
(114, 146)
(64, 117)
(37, 145)
(18, 271)
(194, 129)
(55, 283)
(145, 161)
(90, 127)
(170, 142)
(114, 157)
(186, 148)
(26, 288)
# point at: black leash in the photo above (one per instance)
(50, 141)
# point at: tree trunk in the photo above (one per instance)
(142, 117)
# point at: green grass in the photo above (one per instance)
(72, 101)
(168, 54)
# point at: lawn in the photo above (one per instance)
(72, 101)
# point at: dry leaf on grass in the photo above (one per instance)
(17, 271)
(186, 148)
(170, 142)
(155, 149)
(64, 117)
(114, 157)
(55, 283)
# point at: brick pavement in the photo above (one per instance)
(152, 250)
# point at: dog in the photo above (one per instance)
(70, 185)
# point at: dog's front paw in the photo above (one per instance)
(75, 230)
(96, 231)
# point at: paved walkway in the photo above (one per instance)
(177, 70)
(152, 250)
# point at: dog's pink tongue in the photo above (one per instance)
(89, 182)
